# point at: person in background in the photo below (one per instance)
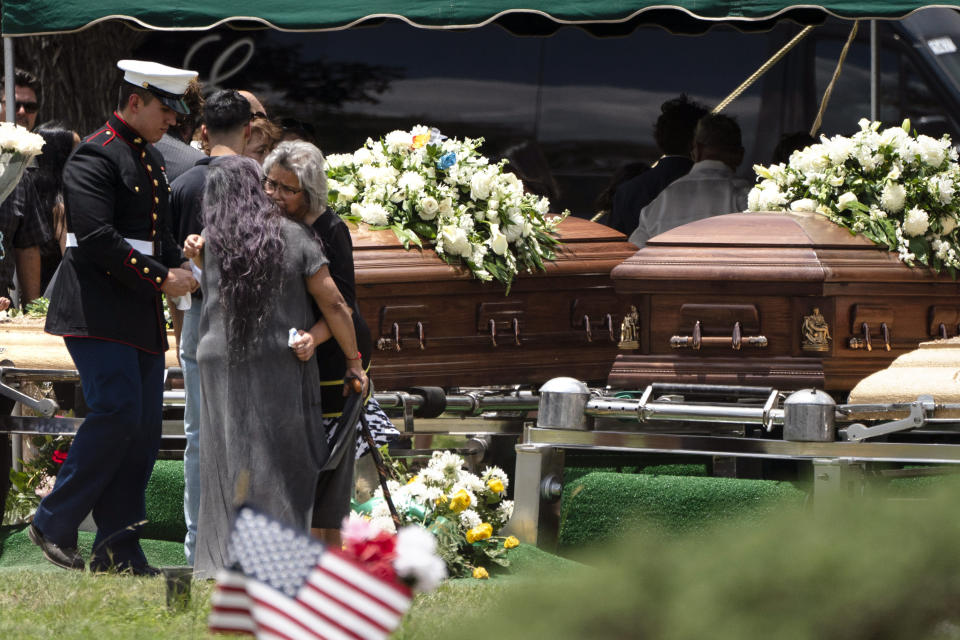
(22, 221)
(58, 143)
(106, 303)
(295, 179)
(27, 92)
(226, 126)
(264, 135)
(293, 129)
(789, 143)
(261, 435)
(709, 189)
(174, 146)
(673, 133)
(257, 109)
(604, 202)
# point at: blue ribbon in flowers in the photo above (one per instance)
(447, 160)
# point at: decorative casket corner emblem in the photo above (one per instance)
(815, 332)
(628, 330)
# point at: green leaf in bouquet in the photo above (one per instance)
(921, 249)
(424, 229)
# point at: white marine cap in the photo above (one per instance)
(166, 83)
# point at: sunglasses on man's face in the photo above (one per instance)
(28, 107)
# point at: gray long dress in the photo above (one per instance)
(261, 414)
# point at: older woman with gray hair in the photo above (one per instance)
(296, 179)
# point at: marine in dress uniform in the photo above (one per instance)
(106, 304)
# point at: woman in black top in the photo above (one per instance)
(295, 178)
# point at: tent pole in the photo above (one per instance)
(8, 78)
(9, 96)
(874, 72)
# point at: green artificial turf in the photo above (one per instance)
(16, 550)
(165, 502)
(856, 567)
(600, 506)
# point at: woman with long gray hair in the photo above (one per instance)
(296, 180)
(261, 437)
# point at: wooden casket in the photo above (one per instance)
(774, 299)
(23, 344)
(434, 324)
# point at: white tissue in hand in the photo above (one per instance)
(293, 337)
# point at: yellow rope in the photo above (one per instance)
(836, 74)
(762, 70)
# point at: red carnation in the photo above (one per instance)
(59, 457)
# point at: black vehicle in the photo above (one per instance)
(570, 108)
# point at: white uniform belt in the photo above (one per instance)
(143, 246)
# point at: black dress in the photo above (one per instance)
(335, 486)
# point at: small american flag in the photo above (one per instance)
(285, 585)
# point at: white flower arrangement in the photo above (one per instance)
(899, 190)
(17, 148)
(464, 511)
(439, 191)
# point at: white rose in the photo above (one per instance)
(346, 193)
(949, 223)
(498, 241)
(428, 207)
(481, 184)
(803, 204)
(846, 199)
(455, 241)
(446, 207)
(893, 197)
(916, 222)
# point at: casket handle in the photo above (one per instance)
(383, 344)
(865, 342)
(587, 328)
(516, 331)
(493, 332)
(735, 341)
(420, 335)
(886, 335)
(608, 320)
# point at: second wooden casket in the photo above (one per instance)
(774, 299)
(434, 324)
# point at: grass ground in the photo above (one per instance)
(39, 601)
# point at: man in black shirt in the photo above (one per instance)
(226, 127)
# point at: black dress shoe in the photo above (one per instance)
(124, 569)
(66, 557)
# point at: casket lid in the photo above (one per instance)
(586, 248)
(571, 231)
(764, 230)
(766, 248)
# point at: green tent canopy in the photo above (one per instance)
(34, 17)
